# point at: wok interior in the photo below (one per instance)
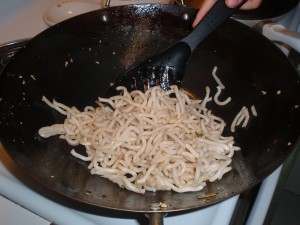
(75, 61)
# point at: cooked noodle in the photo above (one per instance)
(253, 110)
(217, 79)
(216, 97)
(150, 141)
(242, 116)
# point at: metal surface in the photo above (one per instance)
(75, 61)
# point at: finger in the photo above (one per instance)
(206, 6)
(250, 4)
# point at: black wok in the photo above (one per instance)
(75, 61)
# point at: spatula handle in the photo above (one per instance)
(217, 15)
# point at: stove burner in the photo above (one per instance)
(8, 50)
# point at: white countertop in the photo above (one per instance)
(23, 214)
(17, 23)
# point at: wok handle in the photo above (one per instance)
(277, 32)
(156, 218)
(107, 3)
(217, 15)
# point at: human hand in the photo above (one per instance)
(207, 4)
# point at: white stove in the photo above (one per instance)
(21, 205)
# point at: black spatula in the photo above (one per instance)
(168, 67)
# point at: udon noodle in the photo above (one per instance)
(151, 141)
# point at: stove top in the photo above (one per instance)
(14, 190)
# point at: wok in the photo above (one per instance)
(76, 60)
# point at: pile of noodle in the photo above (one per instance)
(151, 141)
